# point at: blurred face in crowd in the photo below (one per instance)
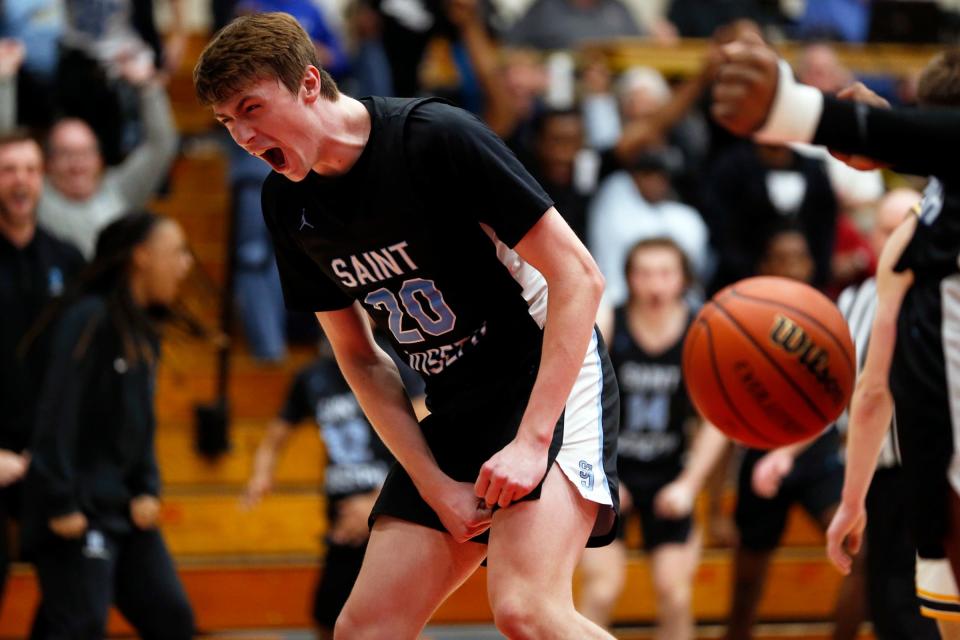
(656, 276)
(525, 78)
(788, 256)
(558, 143)
(75, 165)
(160, 263)
(21, 181)
(820, 68)
(891, 211)
(653, 185)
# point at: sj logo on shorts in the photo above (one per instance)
(95, 546)
(586, 475)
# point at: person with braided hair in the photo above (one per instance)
(92, 489)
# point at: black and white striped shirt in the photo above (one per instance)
(858, 304)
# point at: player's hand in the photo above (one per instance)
(12, 52)
(745, 84)
(858, 92)
(461, 513)
(770, 471)
(675, 500)
(845, 535)
(259, 486)
(145, 511)
(70, 526)
(13, 467)
(511, 473)
(351, 524)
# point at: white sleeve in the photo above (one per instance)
(795, 112)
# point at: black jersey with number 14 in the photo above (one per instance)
(420, 231)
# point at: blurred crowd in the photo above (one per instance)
(627, 153)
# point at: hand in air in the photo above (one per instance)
(845, 536)
(674, 501)
(461, 513)
(770, 471)
(12, 52)
(511, 473)
(745, 84)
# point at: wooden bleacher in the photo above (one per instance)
(256, 568)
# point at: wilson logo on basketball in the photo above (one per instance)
(791, 337)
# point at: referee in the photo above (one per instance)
(34, 268)
(891, 546)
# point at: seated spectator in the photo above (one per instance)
(80, 197)
(637, 204)
(563, 24)
(35, 268)
(754, 189)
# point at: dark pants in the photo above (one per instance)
(79, 580)
(891, 561)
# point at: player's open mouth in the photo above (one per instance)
(275, 157)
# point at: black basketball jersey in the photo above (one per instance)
(654, 406)
(419, 232)
(925, 369)
(357, 461)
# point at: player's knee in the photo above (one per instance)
(673, 598)
(355, 626)
(520, 617)
(602, 593)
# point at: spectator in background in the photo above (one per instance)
(37, 24)
(92, 506)
(564, 24)
(754, 189)
(635, 204)
(661, 464)
(357, 462)
(329, 44)
(35, 267)
(80, 197)
(100, 44)
(847, 20)
(809, 474)
(701, 18)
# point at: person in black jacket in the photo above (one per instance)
(92, 487)
(35, 268)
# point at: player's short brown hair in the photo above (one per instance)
(939, 84)
(16, 136)
(661, 242)
(255, 47)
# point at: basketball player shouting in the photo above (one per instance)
(413, 212)
(913, 356)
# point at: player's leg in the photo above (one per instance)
(534, 549)
(952, 540)
(673, 566)
(760, 523)
(341, 566)
(603, 572)
(408, 570)
(148, 589)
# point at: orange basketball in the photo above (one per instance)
(769, 361)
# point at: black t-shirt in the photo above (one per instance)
(654, 406)
(30, 278)
(401, 233)
(357, 461)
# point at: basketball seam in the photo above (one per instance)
(723, 390)
(826, 329)
(773, 363)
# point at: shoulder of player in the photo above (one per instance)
(438, 121)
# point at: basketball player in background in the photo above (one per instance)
(357, 463)
(809, 474)
(912, 361)
(661, 469)
(415, 213)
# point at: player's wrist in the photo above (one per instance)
(795, 112)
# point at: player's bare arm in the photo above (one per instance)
(676, 499)
(375, 381)
(871, 408)
(575, 286)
